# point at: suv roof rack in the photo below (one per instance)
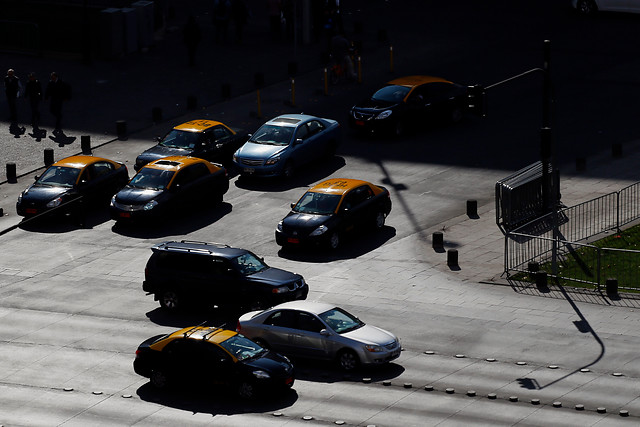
(205, 250)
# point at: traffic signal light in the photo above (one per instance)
(477, 100)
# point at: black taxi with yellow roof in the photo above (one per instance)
(70, 181)
(330, 210)
(210, 356)
(410, 102)
(167, 184)
(207, 139)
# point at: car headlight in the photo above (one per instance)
(113, 200)
(150, 205)
(279, 226)
(373, 348)
(261, 375)
(20, 198)
(235, 157)
(280, 290)
(318, 231)
(272, 161)
(55, 202)
(384, 114)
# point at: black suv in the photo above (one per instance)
(216, 274)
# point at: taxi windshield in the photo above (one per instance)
(317, 203)
(241, 348)
(180, 139)
(391, 93)
(60, 176)
(248, 264)
(156, 179)
(273, 135)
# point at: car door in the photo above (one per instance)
(189, 184)
(307, 339)
(226, 284)
(354, 210)
(217, 365)
(94, 182)
(302, 149)
(279, 330)
(317, 139)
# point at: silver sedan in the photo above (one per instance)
(320, 331)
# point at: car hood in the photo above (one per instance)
(136, 196)
(158, 152)
(44, 193)
(275, 276)
(304, 220)
(271, 362)
(374, 104)
(369, 334)
(252, 150)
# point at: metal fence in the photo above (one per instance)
(565, 234)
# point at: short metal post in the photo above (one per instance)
(48, 157)
(11, 173)
(437, 240)
(85, 144)
(452, 257)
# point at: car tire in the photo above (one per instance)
(380, 220)
(246, 390)
(159, 379)
(399, 128)
(334, 241)
(288, 170)
(262, 343)
(348, 360)
(169, 300)
(586, 7)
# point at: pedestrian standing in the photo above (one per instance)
(12, 90)
(57, 91)
(191, 36)
(33, 93)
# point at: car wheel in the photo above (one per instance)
(399, 128)
(159, 379)
(586, 7)
(262, 343)
(380, 218)
(334, 241)
(246, 390)
(169, 300)
(348, 360)
(288, 169)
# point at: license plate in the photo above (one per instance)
(32, 211)
(125, 215)
(248, 170)
(359, 123)
(293, 240)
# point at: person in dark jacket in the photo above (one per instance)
(33, 93)
(12, 90)
(57, 92)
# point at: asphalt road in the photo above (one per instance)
(73, 311)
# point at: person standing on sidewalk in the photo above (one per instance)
(57, 91)
(33, 93)
(12, 90)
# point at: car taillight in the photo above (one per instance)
(238, 327)
(137, 353)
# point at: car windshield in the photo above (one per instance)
(242, 348)
(341, 321)
(317, 203)
(59, 176)
(155, 179)
(180, 139)
(273, 135)
(248, 264)
(391, 93)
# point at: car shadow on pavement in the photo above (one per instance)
(303, 178)
(93, 217)
(325, 371)
(180, 223)
(218, 317)
(216, 399)
(352, 246)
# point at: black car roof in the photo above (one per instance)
(202, 248)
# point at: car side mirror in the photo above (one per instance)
(176, 187)
(293, 205)
(325, 333)
(298, 141)
(157, 139)
(35, 178)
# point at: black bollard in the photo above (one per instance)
(437, 240)
(12, 178)
(226, 91)
(541, 280)
(452, 257)
(121, 129)
(85, 144)
(156, 114)
(472, 208)
(192, 102)
(612, 287)
(48, 157)
(533, 267)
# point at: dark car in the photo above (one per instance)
(329, 210)
(184, 272)
(169, 184)
(207, 139)
(409, 102)
(67, 182)
(286, 143)
(211, 356)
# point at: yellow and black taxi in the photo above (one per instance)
(330, 210)
(168, 184)
(210, 355)
(207, 139)
(409, 102)
(71, 181)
